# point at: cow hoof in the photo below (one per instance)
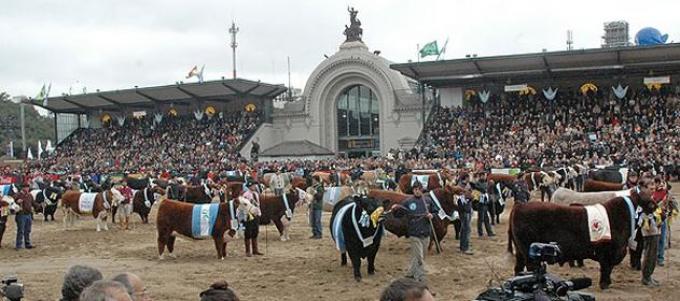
(99, 230)
(172, 256)
(357, 278)
(604, 286)
(160, 257)
(222, 258)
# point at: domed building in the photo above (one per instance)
(353, 104)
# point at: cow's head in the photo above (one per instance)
(7, 203)
(360, 187)
(373, 208)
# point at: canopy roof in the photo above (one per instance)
(150, 97)
(296, 148)
(546, 65)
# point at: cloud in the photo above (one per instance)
(119, 44)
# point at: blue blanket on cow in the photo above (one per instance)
(203, 220)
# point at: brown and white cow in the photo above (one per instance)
(325, 177)
(98, 204)
(546, 182)
(177, 218)
(280, 209)
(568, 226)
(434, 181)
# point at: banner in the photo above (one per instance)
(657, 80)
(515, 88)
(484, 96)
(157, 118)
(550, 93)
(121, 120)
(620, 91)
(198, 114)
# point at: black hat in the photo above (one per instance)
(418, 185)
(251, 183)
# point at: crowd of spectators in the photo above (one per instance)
(522, 131)
(180, 144)
(508, 131)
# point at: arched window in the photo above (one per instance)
(358, 119)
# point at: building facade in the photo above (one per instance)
(354, 105)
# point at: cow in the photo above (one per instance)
(326, 177)
(611, 175)
(47, 201)
(429, 181)
(137, 183)
(591, 185)
(448, 211)
(98, 204)
(501, 191)
(566, 196)
(197, 221)
(277, 208)
(357, 230)
(581, 175)
(540, 180)
(143, 200)
(568, 226)
(199, 194)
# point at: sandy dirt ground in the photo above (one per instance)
(300, 269)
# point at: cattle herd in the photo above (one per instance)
(359, 207)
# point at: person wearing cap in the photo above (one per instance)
(418, 210)
(251, 221)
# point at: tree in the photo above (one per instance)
(37, 127)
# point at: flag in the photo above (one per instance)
(44, 94)
(41, 94)
(40, 149)
(443, 50)
(430, 48)
(193, 72)
(29, 156)
(197, 73)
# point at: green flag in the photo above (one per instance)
(430, 48)
(41, 95)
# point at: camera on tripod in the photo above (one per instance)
(538, 284)
(11, 289)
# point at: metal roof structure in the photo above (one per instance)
(556, 65)
(150, 97)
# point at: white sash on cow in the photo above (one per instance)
(86, 202)
(147, 202)
(442, 214)
(423, 179)
(34, 193)
(332, 195)
(598, 223)
(339, 237)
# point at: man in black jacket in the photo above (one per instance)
(419, 210)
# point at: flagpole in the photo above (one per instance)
(418, 52)
(23, 128)
(443, 49)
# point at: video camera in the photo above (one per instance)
(539, 285)
(11, 289)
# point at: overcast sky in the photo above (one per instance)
(119, 44)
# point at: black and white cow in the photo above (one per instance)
(46, 200)
(356, 227)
